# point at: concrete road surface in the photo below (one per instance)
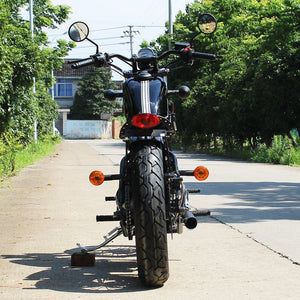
(248, 249)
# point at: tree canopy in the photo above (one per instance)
(24, 61)
(253, 92)
(89, 100)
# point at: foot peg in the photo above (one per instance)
(107, 218)
(194, 191)
(201, 212)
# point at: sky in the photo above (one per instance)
(108, 20)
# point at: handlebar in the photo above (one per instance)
(82, 63)
(100, 59)
(204, 55)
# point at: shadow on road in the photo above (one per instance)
(254, 201)
(115, 271)
(206, 157)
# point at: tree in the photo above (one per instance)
(253, 93)
(89, 100)
(23, 59)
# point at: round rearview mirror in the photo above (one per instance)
(207, 23)
(78, 31)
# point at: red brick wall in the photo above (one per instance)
(116, 127)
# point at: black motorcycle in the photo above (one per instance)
(152, 200)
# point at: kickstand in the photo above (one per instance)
(108, 238)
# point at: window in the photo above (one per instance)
(63, 87)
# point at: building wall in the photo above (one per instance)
(71, 128)
(91, 129)
(67, 102)
(75, 76)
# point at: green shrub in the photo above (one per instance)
(14, 156)
(120, 118)
(281, 151)
(9, 146)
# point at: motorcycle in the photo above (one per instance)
(151, 200)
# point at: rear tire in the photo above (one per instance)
(148, 192)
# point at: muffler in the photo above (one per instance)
(189, 220)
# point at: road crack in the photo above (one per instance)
(255, 240)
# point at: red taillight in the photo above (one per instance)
(145, 121)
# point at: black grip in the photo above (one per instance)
(204, 55)
(83, 63)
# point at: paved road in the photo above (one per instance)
(248, 249)
(260, 200)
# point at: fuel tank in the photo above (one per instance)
(145, 94)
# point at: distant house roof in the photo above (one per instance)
(67, 71)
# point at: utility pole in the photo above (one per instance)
(32, 37)
(170, 23)
(31, 17)
(130, 33)
(31, 30)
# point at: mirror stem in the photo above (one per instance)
(97, 47)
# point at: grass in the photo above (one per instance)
(289, 157)
(14, 157)
(281, 152)
(32, 153)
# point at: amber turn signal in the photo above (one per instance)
(96, 177)
(201, 173)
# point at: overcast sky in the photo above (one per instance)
(103, 15)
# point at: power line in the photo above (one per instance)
(103, 45)
(129, 33)
(149, 26)
(120, 27)
(111, 28)
(110, 38)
